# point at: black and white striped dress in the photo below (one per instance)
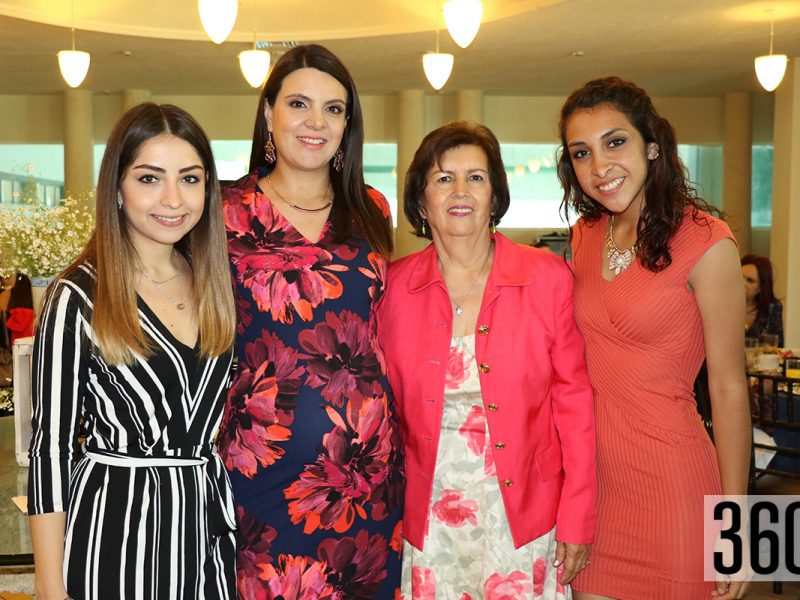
(148, 501)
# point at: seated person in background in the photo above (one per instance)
(19, 319)
(764, 311)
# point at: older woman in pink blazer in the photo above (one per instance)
(487, 368)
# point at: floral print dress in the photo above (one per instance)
(309, 434)
(468, 551)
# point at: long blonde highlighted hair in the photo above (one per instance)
(115, 318)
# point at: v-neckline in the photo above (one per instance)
(160, 324)
(283, 218)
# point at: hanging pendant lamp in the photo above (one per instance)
(218, 18)
(770, 68)
(463, 19)
(74, 64)
(437, 65)
(254, 63)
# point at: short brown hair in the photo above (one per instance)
(430, 152)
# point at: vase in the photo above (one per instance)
(38, 288)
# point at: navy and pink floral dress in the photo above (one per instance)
(309, 434)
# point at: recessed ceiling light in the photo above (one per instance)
(577, 53)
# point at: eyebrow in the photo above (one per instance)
(308, 99)
(606, 135)
(162, 170)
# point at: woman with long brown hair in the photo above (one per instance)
(657, 290)
(309, 435)
(133, 351)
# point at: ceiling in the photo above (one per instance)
(524, 47)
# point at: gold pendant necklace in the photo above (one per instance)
(618, 260)
(457, 306)
(162, 291)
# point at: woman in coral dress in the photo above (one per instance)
(657, 289)
(309, 435)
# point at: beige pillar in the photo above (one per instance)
(131, 98)
(410, 131)
(737, 164)
(469, 105)
(785, 235)
(78, 140)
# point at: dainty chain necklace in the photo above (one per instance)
(162, 291)
(457, 306)
(618, 260)
(297, 207)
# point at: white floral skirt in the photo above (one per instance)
(468, 550)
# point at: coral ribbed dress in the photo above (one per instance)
(644, 343)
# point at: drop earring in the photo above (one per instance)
(424, 229)
(338, 160)
(269, 150)
(119, 201)
(493, 226)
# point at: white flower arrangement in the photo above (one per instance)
(41, 241)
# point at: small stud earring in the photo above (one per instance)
(119, 201)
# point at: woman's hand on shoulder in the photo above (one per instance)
(575, 558)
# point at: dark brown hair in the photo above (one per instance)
(667, 190)
(430, 152)
(21, 294)
(766, 293)
(110, 249)
(352, 202)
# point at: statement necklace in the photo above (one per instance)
(457, 306)
(618, 260)
(295, 206)
(162, 291)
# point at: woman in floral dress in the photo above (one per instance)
(487, 367)
(309, 435)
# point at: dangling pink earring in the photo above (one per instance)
(269, 150)
(338, 160)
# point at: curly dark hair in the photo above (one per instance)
(430, 152)
(667, 190)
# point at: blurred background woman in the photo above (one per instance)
(495, 406)
(19, 319)
(309, 434)
(133, 351)
(764, 311)
(657, 289)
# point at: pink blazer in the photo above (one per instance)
(536, 394)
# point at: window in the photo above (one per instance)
(761, 187)
(31, 173)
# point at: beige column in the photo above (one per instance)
(131, 98)
(78, 140)
(410, 131)
(737, 164)
(785, 234)
(469, 105)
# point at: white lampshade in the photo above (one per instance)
(255, 66)
(437, 67)
(463, 19)
(74, 65)
(770, 70)
(218, 17)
